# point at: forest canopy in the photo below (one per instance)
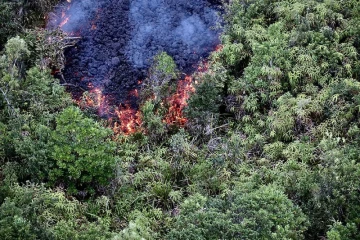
(270, 148)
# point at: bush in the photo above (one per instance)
(264, 213)
(83, 151)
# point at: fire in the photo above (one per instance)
(185, 88)
(203, 67)
(96, 99)
(178, 102)
(129, 118)
(93, 22)
(122, 119)
(134, 93)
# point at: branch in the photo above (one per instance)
(8, 101)
(218, 127)
(72, 38)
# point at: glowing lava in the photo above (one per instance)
(93, 22)
(126, 120)
(66, 19)
(219, 48)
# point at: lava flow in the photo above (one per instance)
(115, 49)
(185, 88)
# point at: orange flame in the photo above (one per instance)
(122, 120)
(126, 120)
(134, 93)
(178, 102)
(129, 118)
(93, 22)
(97, 100)
(203, 67)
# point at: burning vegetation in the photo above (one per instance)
(123, 119)
(126, 119)
(178, 101)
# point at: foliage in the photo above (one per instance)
(12, 69)
(265, 213)
(8, 27)
(30, 101)
(288, 73)
(18, 15)
(155, 92)
(338, 231)
(161, 72)
(152, 120)
(83, 151)
(48, 47)
(138, 229)
(34, 212)
(269, 151)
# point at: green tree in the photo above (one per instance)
(161, 72)
(9, 27)
(18, 15)
(264, 213)
(155, 91)
(34, 212)
(82, 150)
(30, 100)
(12, 69)
(341, 232)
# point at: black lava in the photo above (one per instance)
(120, 37)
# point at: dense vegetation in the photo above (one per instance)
(270, 149)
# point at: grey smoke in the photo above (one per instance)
(167, 25)
(80, 12)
